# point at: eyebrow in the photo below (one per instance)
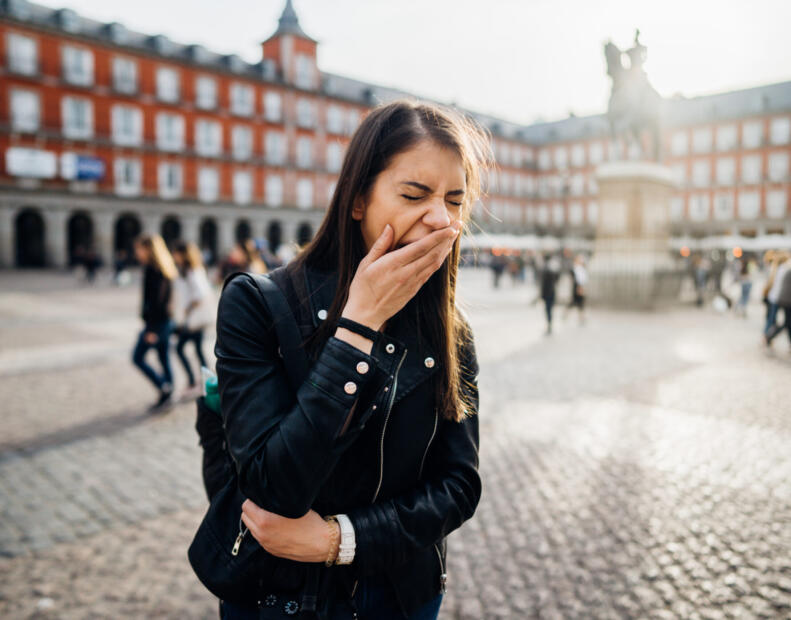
(426, 188)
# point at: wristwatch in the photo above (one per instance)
(347, 546)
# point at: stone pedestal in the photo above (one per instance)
(632, 264)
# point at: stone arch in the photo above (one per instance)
(243, 231)
(274, 235)
(304, 233)
(170, 230)
(29, 238)
(80, 235)
(127, 229)
(208, 240)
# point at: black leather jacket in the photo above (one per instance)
(405, 476)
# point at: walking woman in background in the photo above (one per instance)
(365, 469)
(194, 298)
(159, 271)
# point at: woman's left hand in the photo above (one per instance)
(305, 539)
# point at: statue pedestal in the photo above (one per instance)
(632, 265)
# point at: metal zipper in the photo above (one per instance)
(430, 439)
(384, 427)
(443, 577)
(238, 542)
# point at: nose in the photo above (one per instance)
(437, 215)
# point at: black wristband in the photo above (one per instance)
(358, 328)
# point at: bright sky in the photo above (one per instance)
(522, 60)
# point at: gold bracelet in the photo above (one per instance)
(335, 540)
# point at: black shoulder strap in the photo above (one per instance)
(288, 335)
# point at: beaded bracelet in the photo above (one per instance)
(335, 540)
(358, 328)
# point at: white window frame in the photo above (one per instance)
(24, 107)
(699, 207)
(205, 92)
(275, 147)
(304, 152)
(125, 75)
(208, 137)
(123, 187)
(727, 137)
(701, 173)
(164, 176)
(127, 125)
(304, 193)
(242, 187)
(751, 169)
(702, 140)
(241, 142)
(274, 190)
(679, 143)
(304, 71)
(208, 184)
(21, 54)
(168, 84)
(334, 156)
(77, 65)
(242, 99)
(726, 171)
(752, 134)
(352, 120)
(169, 131)
(780, 130)
(273, 106)
(724, 208)
(335, 119)
(777, 166)
(82, 130)
(749, 205)
(776, 203)
(306, 113)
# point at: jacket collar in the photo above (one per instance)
(420, 362)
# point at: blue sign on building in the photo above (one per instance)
(81, 167)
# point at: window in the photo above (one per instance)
(778, 166)
(505, 184)
(558, 214)
(352, 120)
(543, 215)
(22, 54)
(168, 85)
(749, 205)
(679, 173)
(170, 131)
(169, 179)
(676, 208)
(701, 140)
(334, 157)
(576, 214)
(127, 125)
(304, 71)
(723, 206)
(77, 65)
(593, 212)
(544, 159)
(577, 185)
(578, 156)
(273, 107)
(593, 185)
(751, 169)
(305, 114)
(205, 93)
(699, 207)
(208, 184)
(726, 138)
(561, 158)
(701, 173)
(334, 119)
(128, 175)
(304, 152)
(752, 134)
(275, 144)
(274, 191)
(242, 187)
(242, 99)
(77, 118)
(25, 110)
(208, 138)
(242, 142)
(304, 193)
(776, 203)
(726, 170)
(780, 130)
(679, 143)
(124, 75)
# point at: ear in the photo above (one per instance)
(358, 210)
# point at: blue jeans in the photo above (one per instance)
(162, 345)
(374, 599)
(771, 318)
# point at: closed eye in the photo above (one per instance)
(414, 198)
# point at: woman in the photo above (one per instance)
(380, 443)
(195, 307)
(159, 271)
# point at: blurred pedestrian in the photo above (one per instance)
(780, 298)
(746, 273)
(120, 266)
(194, 308)
(549, 279)
(498, 265)
(159, 271)
(579, 280)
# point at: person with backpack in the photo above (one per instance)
(345, 485)
(159, 272)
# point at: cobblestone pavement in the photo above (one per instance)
(633, 467)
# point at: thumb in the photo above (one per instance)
(379, 248)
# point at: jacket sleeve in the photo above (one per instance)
(388, 531)
(283, 444)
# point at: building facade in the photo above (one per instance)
(106, 133)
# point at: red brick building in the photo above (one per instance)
(106, 133)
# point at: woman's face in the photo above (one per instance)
(141, 253)
(421, 191)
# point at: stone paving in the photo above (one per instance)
(633, 467)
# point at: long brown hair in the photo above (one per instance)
(387, 131)
(159, 255)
